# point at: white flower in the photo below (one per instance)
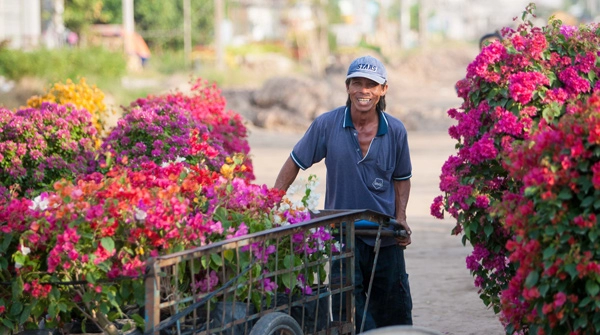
(140, 215)
(18, 265)
(25, 250)
(39, 203)
(178, 159)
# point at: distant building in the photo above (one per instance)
(20, 23)
(470, 19)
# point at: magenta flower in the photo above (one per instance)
(522, 85)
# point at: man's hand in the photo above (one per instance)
(404, 241)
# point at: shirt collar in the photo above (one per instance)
(382, 129)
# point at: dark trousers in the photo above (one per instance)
(390, 302)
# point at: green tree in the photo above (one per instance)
(159, 22)
(80, 14)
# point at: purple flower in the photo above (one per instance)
(568, 31)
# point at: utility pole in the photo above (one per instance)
(128, 26)
(592, 6)
(219, 48)
(404, 24)
(187, 33)
(423, 9)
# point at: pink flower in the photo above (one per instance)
(482, 150)
(559, 299)
(482, 201)
(521, 85)
(596, 175)
(568, 31)
(573, 82)
(437, 206)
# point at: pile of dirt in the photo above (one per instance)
(421, 90)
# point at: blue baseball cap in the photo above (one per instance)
(368, 67)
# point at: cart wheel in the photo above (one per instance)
(276, 323)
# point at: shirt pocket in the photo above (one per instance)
(377, 177)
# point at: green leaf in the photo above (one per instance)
(592, 76)
(532, 279)
(565, 194)
(549, 252)
(488, 229)
(585, 301)
(572, 270)
(17, 287)
(530, 191)
(108, 244)
(289, 280)
(139, 321)
(139, 292)
(216, 259)
(543, 289)
(289, 261)
(91, 277)
(6, 239)
(581, 322)
(26, 314)
(587, 201)
(125, 290)
(62, 306)
(592, 288)
(87, 297)
(7, 323)
(228, 254)
(16, 308)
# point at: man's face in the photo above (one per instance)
(365, 93)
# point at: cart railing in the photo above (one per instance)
(225, 287)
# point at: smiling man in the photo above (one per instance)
(368, 167)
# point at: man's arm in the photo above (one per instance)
(287, 175)
(402, 190)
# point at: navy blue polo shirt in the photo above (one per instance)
(354, 181)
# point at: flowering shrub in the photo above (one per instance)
(99, 232)
(39, 146)
(557, 283)
(205, 104)
(90, 98)
(178, 127)
(533, 76)
(76, 245)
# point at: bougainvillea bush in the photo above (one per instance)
(553, 217)
(534, 75)
(165, 179)
(39, 146)
(81, 95)
(104, 227)
(222, 130)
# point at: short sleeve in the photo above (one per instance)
(403, 169)
(312, 147)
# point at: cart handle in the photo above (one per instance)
(368, 228)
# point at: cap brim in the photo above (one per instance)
(371, 76)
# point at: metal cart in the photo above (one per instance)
(221, 289)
